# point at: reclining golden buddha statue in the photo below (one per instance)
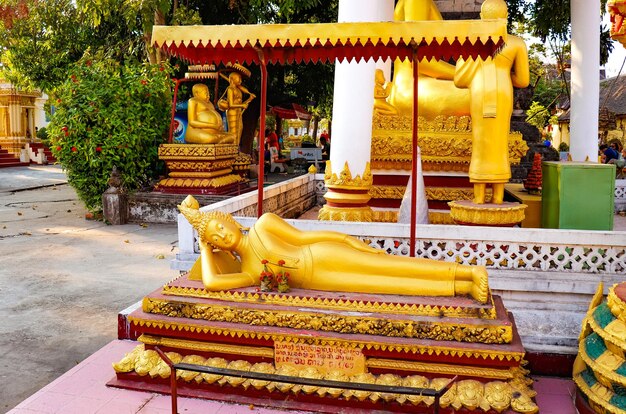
(319, 260)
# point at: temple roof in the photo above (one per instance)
(325, 42)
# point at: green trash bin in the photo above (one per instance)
(577, 195)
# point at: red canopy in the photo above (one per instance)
(291, 111)
(325, 42)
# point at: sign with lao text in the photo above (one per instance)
(324, 358)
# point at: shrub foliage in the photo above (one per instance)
(110, 114)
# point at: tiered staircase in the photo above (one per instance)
(9, 160)
(33, 152)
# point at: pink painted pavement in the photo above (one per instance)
(82, 390)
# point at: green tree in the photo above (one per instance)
(109, 114)
(538, 116)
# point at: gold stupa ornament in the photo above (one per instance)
(600, 367)
(347, 195)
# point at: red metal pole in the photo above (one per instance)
(414, 163)
(171, 136)
(173, 389)
(262, 133)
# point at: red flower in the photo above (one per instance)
(59, 148)
(281, 262)
(58, 101)
(74, 149)
(88, 63)
(264, 261)
(98, 149)
(64, 128)
(66, 133)
(144, 82)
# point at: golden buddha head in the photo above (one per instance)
(200, 91)
(379, 77)
(494, 9)
(234, 78)
(216, 228)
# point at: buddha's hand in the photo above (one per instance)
(362, 246)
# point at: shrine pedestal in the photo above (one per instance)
(384, 339)
(200, 169)
(506, 214)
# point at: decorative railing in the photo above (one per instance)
(620, 195)
(547, 250)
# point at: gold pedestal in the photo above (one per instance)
(199, 168)
(347, 197)
(506, 214)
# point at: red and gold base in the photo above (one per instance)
(384, 339)
(201, 169)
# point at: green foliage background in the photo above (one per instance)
(110, 114)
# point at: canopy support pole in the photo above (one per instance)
(414, 163)
(261, 161)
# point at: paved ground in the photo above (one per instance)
(63, 279)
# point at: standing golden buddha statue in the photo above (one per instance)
(490, 83)
(437, 93)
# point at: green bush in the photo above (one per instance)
(110, 114)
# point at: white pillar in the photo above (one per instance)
(353, 108)
(385, 14)
(353, 99)
(585, 89)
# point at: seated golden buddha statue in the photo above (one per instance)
(319, 260)
(204, 122)
(381, 93)
(437, 93)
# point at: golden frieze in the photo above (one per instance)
(442, 369)
(198, 166)
(440, 331)
(385, 216)
(415, 349)
(388, 192)
(492, 215)
(363, 214)
(188, 152)
(213, 347)
(201, 182)
(432, 193)
(334, 304)
(441, 123)
(465, 394)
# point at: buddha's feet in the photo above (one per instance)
(480, 286)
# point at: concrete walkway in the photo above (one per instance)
(63, 279)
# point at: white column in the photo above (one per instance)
(385, 14)
(353, 99)
(585, 89)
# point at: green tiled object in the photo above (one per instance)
(577, 195)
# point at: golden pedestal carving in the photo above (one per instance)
(505, 214)
(446, 147)
(355, 337)
(347, 196)
(199, 168)
(445, 143)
